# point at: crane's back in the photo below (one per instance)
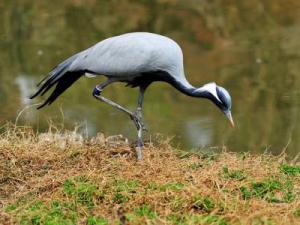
(133, 53)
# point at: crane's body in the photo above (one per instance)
(135, 58)
(132, 54)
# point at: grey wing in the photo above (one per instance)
(132, 54)
(115, 58)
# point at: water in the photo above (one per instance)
(251, 48)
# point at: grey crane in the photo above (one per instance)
(137, 59)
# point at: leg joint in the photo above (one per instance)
(97, 91)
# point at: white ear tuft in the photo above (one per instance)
(210, 85)
(211, 88)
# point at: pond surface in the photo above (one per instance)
(252, 48)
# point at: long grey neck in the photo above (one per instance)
(186, 88)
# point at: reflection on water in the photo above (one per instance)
(25, 84)
(198, 132)
(250, 47)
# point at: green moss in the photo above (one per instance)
(152, 186)
(297, 212)
(131, 217)
(209, 156)
(195, 219)
(290, 170)
(53, 214)
(138, 214)
(262, 221)
(11, 207)
(233, 174)
(269, 189)
(35, 206)
(176, 204)
(120, 198)
(171, 186)
(36, 220)
(203, 203)
(184, 154)
(126, 186)
(207, 219)
(176, 219)
(22, 201)
(260, 189)
(92, 220)
(123, 189)
(174, 186)
(196, 166)
(145, 211)
(81, 189)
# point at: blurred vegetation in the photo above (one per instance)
(250, 47)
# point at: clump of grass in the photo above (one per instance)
(233, 174)
(195, 219)
(93, 220)
(145, 211)
(290, 170)
(176, 219)
(81, 190)
(297, 212)
(123, 189)
(120, 198)
(53, 213)
(271, 190)
(173, 186)
(140, 214)
(89, 181)
(196, 165)
(203, 203)
(126, 185)
(208, 219)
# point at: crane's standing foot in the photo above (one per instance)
(139, 126)
(140, 144)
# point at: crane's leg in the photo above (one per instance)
(139, 107)
(97, 94)
(138, 115)
(134, 116)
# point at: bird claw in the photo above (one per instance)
(145, 128)
(138, 121)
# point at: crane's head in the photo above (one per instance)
(220, 97)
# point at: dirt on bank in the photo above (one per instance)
(63, 178)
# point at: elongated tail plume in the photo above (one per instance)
(62, 77)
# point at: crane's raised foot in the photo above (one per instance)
(136, 117)
(136, 120)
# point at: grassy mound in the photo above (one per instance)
(63, 178)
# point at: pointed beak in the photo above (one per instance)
(229, 116)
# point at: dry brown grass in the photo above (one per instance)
(62, 178)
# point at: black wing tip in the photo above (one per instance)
(35, 94)
(43, 105)
(32, 96)
(38, 108)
